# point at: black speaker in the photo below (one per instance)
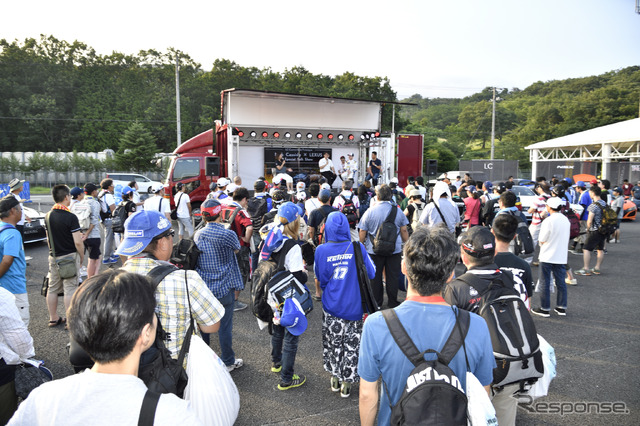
(432, 167)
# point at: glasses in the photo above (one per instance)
(171, 233)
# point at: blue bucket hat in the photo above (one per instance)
(293, 317)
(139, 229)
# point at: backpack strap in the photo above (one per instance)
(148, 409)
(457, 336)
(282, 253)
(401, 337)
(158, 273)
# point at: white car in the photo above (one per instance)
(527, 198)
(144, 183)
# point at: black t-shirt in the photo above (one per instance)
(63, 224)
(375, 165)
(317, 216)
(278, 165)
(130, 207)
(520, 270)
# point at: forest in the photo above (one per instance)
(63, 96)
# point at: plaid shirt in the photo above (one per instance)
(172, 304)
(217, 264)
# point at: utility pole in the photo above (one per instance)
(179, 136)
(493, 123)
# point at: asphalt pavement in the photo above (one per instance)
(597, 348)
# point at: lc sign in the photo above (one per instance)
(488, 166)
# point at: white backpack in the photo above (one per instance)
(82, 209)
(415, 219)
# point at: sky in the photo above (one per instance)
(435, 48)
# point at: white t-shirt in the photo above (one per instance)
(310, 205)
(183, 208)
(106, 201)
(135, 196)
(21, 222)
(153, 203)
(328, 165)
(98, 399)
(554, 232)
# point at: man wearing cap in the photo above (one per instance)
(554, 238)
(77, 194)
(326, 168)
(15, 187)
(91, 235)
(107, 207)
(352, 166)
(218, 267)
(243, 227)
(65, 239)
(183, 206)
(158, 203)
(617, 204)
(368, 226)
(12, 260)
(430, 257)
(148, 243)
(477, 251)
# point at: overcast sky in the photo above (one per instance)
(437, 48)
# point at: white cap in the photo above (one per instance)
(222, 182)
(300, 186)
(325, 186)
(394, 180)
(157, 187)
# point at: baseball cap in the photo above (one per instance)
(289, 212)
(127, 190)
(471, 188)
(555, 202)
(300, 186)
(293, 317)
(617, 189)
(394, 180)
(351, 154)
(568, 180)
(15, 183)
(211, 207)
(324, 194)
(8, 202)
(139, 229)
(90, 187)
(75, 192)
(259, 185)
(501, 187)
(594, 181)
(222, 182)
(581, 184)
(488, 185)
(301, 196)
(325, 186)
(157, 187)
(478, 242)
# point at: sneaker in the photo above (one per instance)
(571, 281)
(541, 312)
(560, 311)
(335, 384)
(237, 364)
(238, 306)
(276, 367)
(576, 252)
(106, 261)
(595, 271)
(345, 390)
(115, 258)
(294, 383)
(83, 271)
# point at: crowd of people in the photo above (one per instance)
(403, 239)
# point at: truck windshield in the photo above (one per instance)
(186, 168)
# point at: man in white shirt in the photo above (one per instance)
(107, 207)
(326, 168)
(183, 206)
(119, 307)
(158, 202)
(352, 167)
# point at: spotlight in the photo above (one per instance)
(362, 137)
(350, 137)
(237, 132)
(253, 134)
(319, 136)
(309, 136)
(298, 135)
(276, 135)
(340, 137)
(265, 134)
(287, 135)
(330, 136)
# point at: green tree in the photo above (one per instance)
(137, 149)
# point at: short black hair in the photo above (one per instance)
(504, 227)
(347, 184)
(508, 199)
(420, 180)
(106, 183)
(259, 186)
(60, 192)
(384, 193)
(596, 190)
(314, 189)
(541, 178)
(109, 311)
(374, 153)
(430, 255)
(240, 194)
(132, 184)
(606, 183)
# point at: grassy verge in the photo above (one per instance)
(40, 190)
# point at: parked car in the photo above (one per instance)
(526, 197)
(144, 183)
(34, 231)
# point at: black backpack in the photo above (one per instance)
(120, 217)
(260, 284)
(318, 236)
(384, 244)
(513, 334)
(433, 393)
(523, 242)
(105, 211)
(257, 207)
(349, 210)
(185, 254)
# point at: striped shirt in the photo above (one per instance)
(172, 304)
(541, 206)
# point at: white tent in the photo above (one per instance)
(618, 141)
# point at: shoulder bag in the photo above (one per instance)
(67, 267)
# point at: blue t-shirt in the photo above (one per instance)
(380, 355)
(373, 219)
(11, 245)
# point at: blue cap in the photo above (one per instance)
(293, 317)
(580, 184)
(568, 180)
(488, 185)
(127, 190)
(471, 188)
(289, 212)
(75, 191)
(139, 229)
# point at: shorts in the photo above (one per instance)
(595, 241)
(92, 245)
(284, 176)
(56, 284)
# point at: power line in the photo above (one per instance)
(96, 120)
